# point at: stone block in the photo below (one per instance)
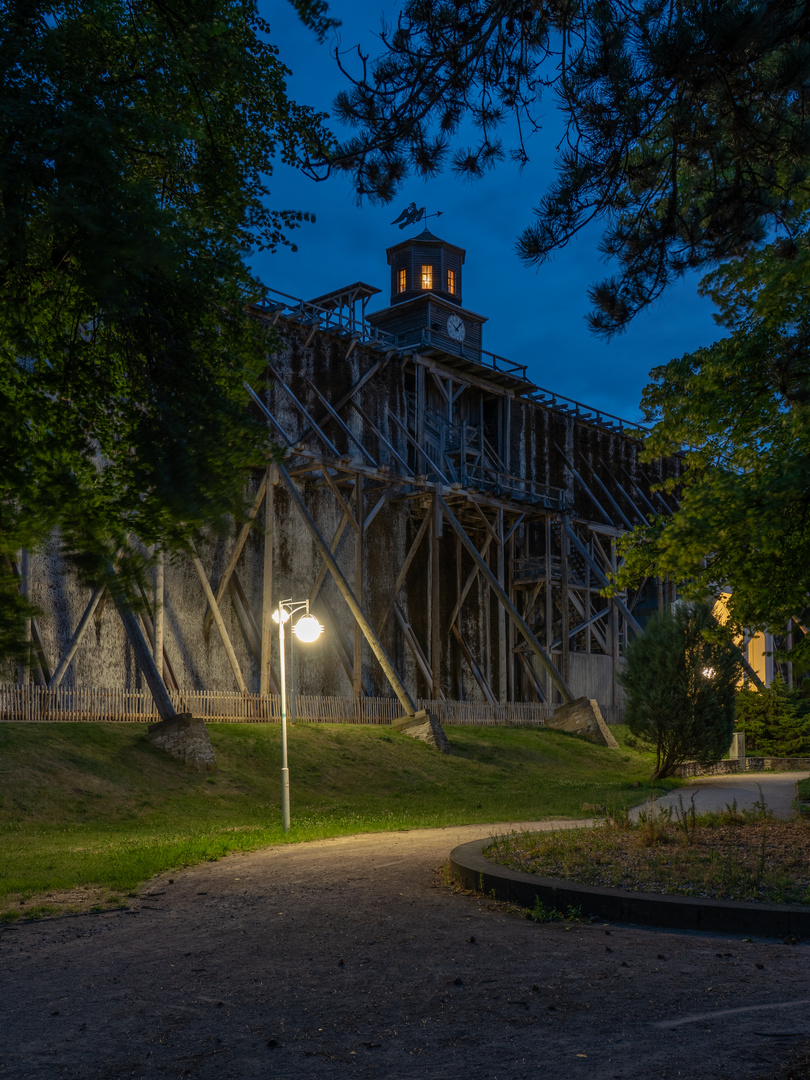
(583, 718)
(737, 748)
(424, 726)
(185, 737)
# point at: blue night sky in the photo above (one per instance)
(536, 315)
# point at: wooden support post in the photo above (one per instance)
(237, 550)
(143, 654)
(614, 633)
(24, 667)
(412, 641)
(357, 677)
(602, 577)
(510, 626)
(549, 603)
(500, 555)
(459, 670)
(223, 633)
(420, 463)
(435, 593)
(267, 582)
(473, 666)
(564, 583)
(157, 607)
(75, 641)
(403, 572)
(511, 610)
(376, 645)
(587, 605)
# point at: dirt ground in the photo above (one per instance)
(352, 957)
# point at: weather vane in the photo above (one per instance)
(411, 214)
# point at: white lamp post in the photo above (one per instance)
(307, 629)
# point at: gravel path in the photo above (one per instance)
(778, 790)
(351, 957)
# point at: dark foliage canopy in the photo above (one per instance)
(687, 129)
(136, 138)
(740, 409)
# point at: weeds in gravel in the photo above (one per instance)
(544, 913)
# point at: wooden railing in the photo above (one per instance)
(66, 704)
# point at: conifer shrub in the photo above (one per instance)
(679, 679)
(776, 720)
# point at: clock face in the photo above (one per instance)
(455, 328)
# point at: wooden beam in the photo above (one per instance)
(420, 450)
(327, 442)
(389, 447)
(534, 681)
(237, 550)
(586, 555)
(468, 584)
(607, 493)
(357, 676)
(223, 633)
(500, 557)
(143, 654)
(403, 573)
(347, 431)
(166, 670)
(639, 489)
(157, 606)
(351, 600)
(75, 641)
(24, 588)
(585, 487)
(478, 675)
(511, 610)
(343, 504)
(378, 365)
(333, 546)
(413, 644)
(266, 635)
(435, 597)
(564, 610)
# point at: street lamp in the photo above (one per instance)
(307, 630)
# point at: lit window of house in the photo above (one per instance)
(427, 277)
(451, 281)
(403, 280)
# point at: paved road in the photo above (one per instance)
(352, 957)
(778, 790)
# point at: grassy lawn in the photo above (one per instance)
(90, 811)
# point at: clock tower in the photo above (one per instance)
(426, 309)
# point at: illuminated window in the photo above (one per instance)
(403, 280)
(427, 277)
(451, 281)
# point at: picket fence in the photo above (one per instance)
(66, 704)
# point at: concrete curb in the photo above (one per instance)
(473, 871)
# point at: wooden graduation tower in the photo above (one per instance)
(451, 524)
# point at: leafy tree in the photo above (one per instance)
(775, 720)
(686, 135)
(741, 409)
(136, 138)
(679, 681)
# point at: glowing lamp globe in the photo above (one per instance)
(307, 628)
